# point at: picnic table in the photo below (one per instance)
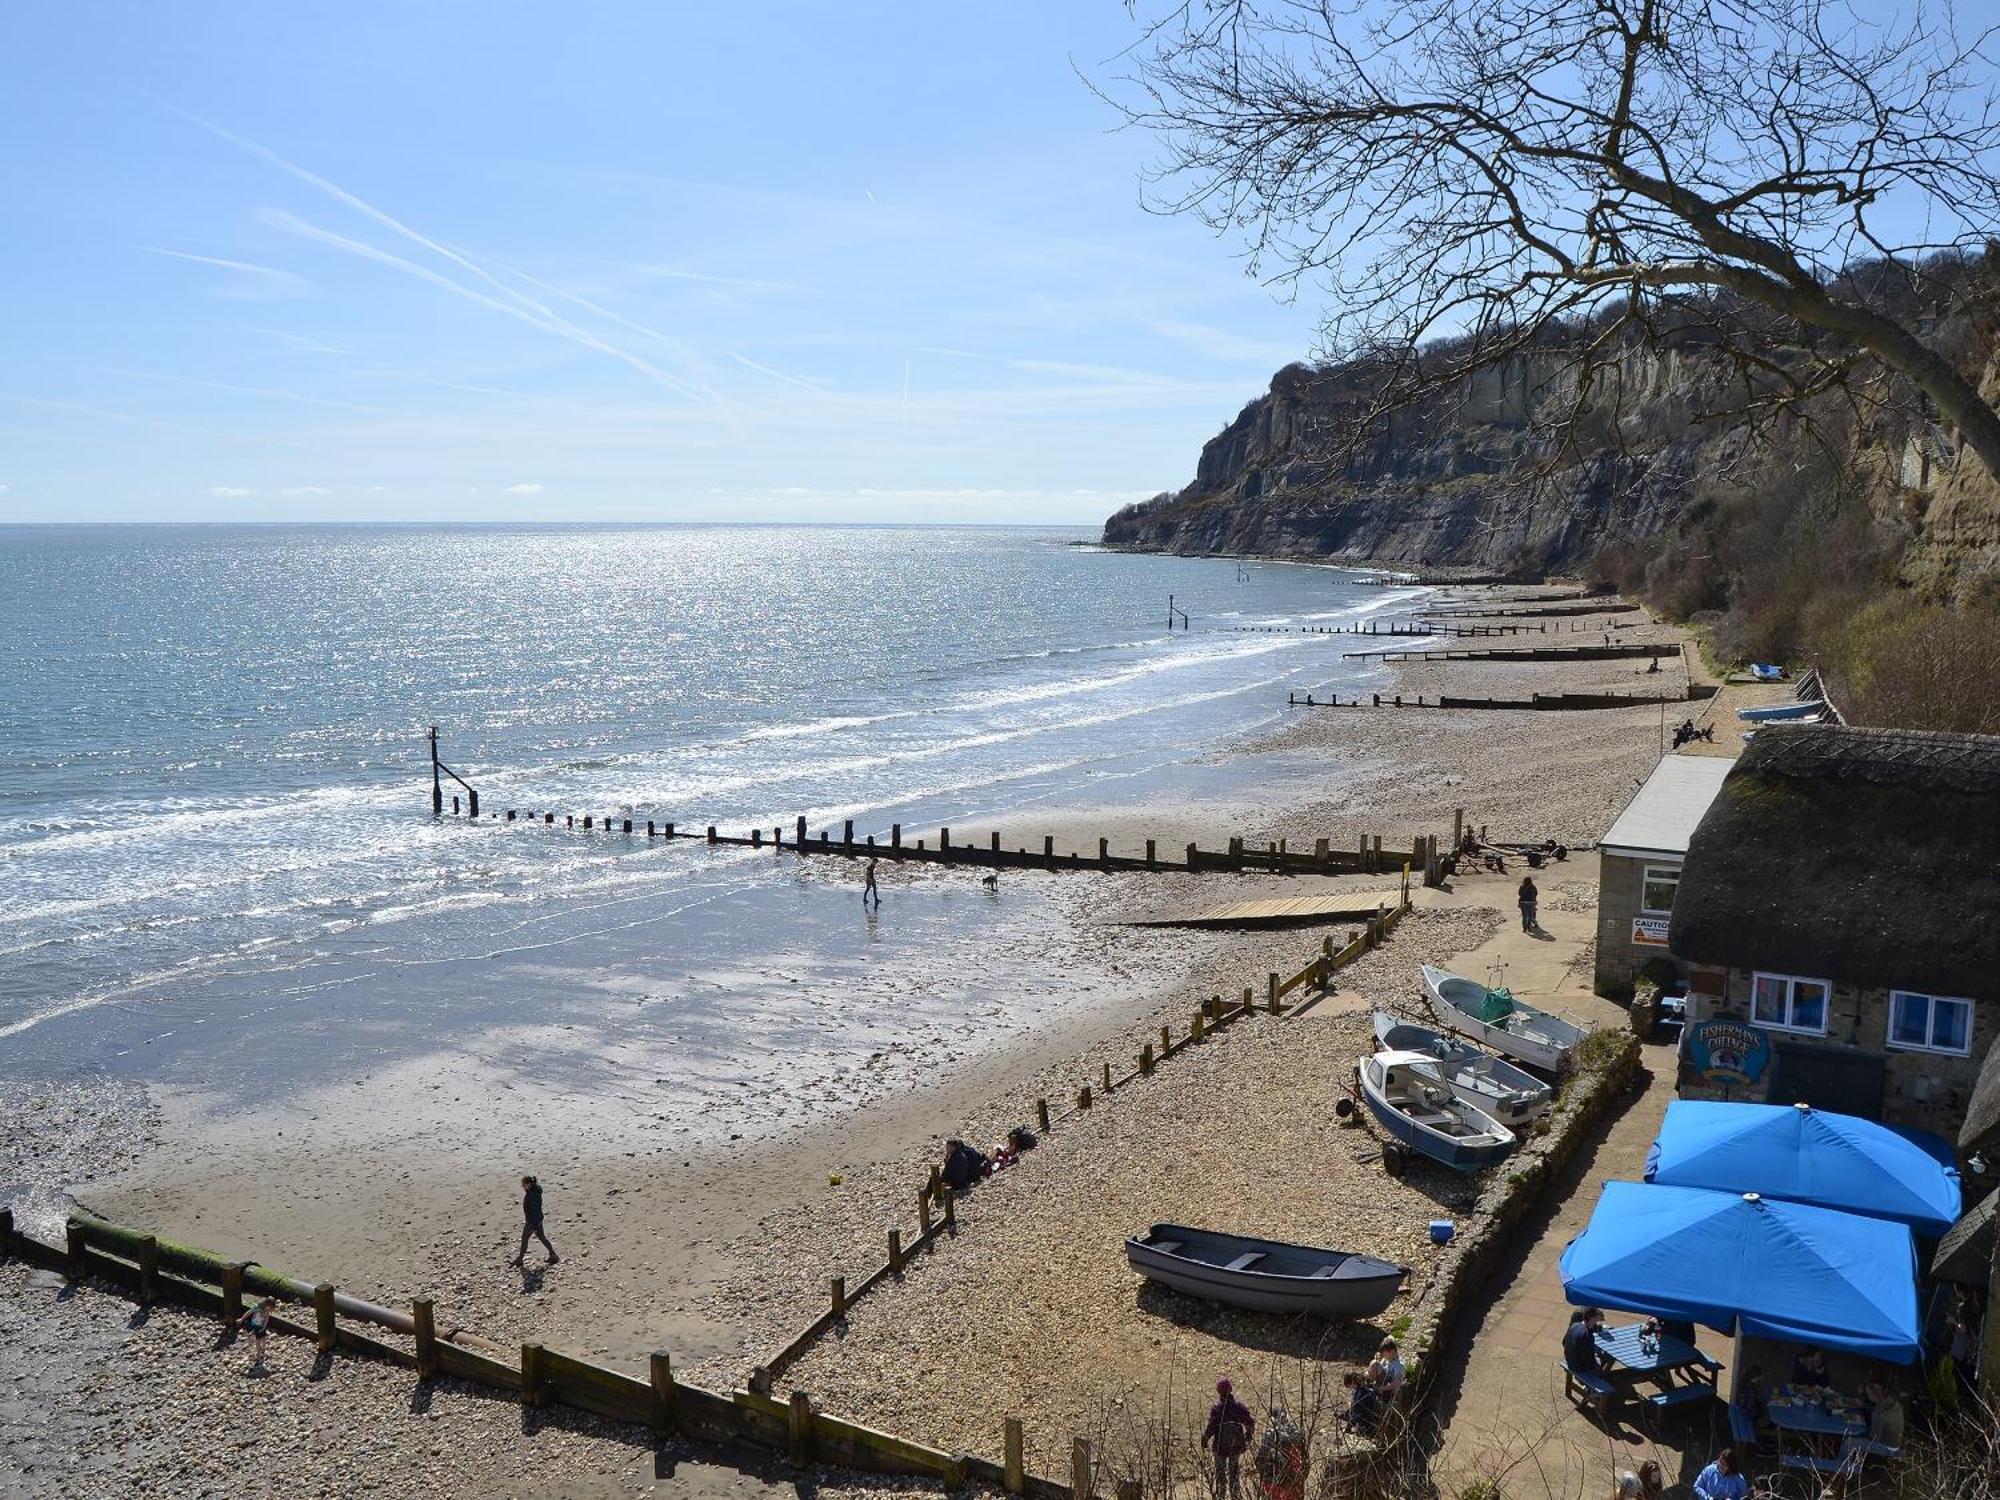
(1816, 1418)
(1638, 1361)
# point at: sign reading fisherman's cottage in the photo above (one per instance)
(1650, 932)
(1728, 1051)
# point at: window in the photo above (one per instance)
(1930, 1023)
(1656, 888)
(1789, 1003)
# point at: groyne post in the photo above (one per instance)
(323, 1324)
(1152, 862)
(801, 834)
(533, 1391)
(424, 1319)
(1079, 1469)
(149, 1269)
(1042, 1115)
(896, 1252)
(1013, 1463)
(836, 1286)
(801, 1429)
(232, 1291)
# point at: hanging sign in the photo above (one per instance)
(1728, 1051)
(1650, 932)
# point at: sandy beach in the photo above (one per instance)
(403, 1183)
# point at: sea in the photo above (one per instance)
(220, 872)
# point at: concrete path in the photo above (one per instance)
(1501, 1412)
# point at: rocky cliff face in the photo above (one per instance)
(1475, 482)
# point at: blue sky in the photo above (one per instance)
(654, 261)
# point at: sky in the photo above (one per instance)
(598, 262)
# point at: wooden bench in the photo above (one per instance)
(1680, 1395)
(1245, 1261)
(1596, 1392)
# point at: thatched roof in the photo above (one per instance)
(1981, 1130)
(1865, 856)
(1965, 1254)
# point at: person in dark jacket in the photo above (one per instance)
(1527, 900)
(1580, 1351)
(531, 1222)
(963, 1165)
(1228, 1434)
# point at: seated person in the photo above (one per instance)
(1749, 1399)
(1364, 1402)
(1580, 1351)
(1809, 1370)
(963, 1166)
(1385, 1372)
(1885, 1414)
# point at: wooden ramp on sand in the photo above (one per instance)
(1284, 911)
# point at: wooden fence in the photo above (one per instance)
(1696, 692)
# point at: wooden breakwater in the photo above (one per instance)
(1608, 652)
(1099, 1086)
(152, 1270)
(1569, 604)
(1696, 692)
(1370, 856)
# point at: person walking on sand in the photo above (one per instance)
(1228, 1433)
(257, 1323)
(531, 1222)
(1527, 899)
(869, 888)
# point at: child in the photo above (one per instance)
(257, 1322)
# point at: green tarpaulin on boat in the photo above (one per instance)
(1497, 1006)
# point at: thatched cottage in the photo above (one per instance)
(1839, 917)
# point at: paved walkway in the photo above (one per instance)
(1502, 1412)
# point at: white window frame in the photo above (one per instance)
(1646, 873)
(1789, 981)
(1889, 1027)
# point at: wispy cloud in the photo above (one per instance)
(264, 392)
(524, 489)
(737, 283)
(300, 343)
(251, 283)
(105, 414)
(508, 301)
(799, 380)
(302, 491)
(229, 491)
(1220, 343)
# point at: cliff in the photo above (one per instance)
(1473, 480)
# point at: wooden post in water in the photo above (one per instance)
(1049, 849)
(996, 846)
(944, 839)
(586, 822)
(661, 1368)
(711, 833)
(422, 1316)
(895, 835)
(847, 835)
(756, 838)
(1013, 1465)
(625, 824)
(323, 1317)
(802, 834)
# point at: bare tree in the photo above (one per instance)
(1802, 185)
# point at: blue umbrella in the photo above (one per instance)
(1806, 1155)
(1739, 1262)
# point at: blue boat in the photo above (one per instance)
(1410, 1099)
(1779, 711)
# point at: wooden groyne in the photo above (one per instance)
(1569, 604)
(151, 1270)
(1658, 649)
(1370, 856)
(1697, 692)
(1100, 1085)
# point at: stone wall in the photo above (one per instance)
(1619, 959)
(1929, 1090)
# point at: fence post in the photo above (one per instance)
(426, 1330)
(1042, 1115)
(896, 1250)
(149, 1270)
(1107, 1078)
(837, 1291)
(924, 1209)
(661, 1369)
(1146, 1058)
(1079, 1469)
(1274, 994)
(1083, 1097)
(951, 1211)
(1194, 1032)
(802, 1429)
(323, 1317)
(531, 1376)
(1015, 1466)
